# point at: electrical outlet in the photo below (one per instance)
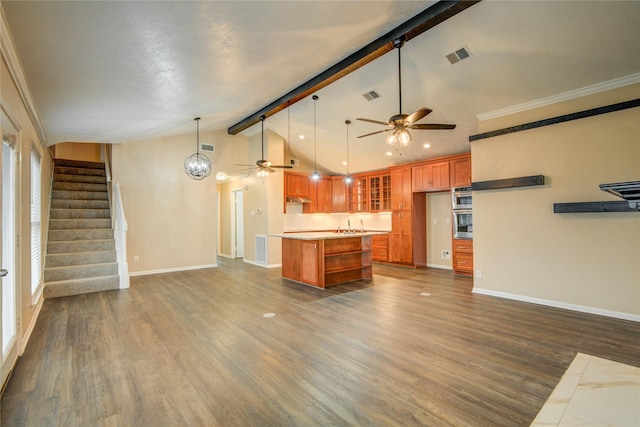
(136, 258)
(446, 254)
(478, 274)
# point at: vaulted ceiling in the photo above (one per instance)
(123, 71)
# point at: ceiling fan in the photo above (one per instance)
(263, 166)
(401, 123)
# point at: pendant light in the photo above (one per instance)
(315, 175)
(197, 165)
(348, 179)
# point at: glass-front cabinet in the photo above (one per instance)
(380, 193)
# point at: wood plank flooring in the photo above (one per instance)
(193, 349)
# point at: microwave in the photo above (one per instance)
(461, 198)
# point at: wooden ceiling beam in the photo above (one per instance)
(410, 29)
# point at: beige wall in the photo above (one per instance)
(14, 110)
(89, 152)
(438, 229)
(172, 219)
(586, 261)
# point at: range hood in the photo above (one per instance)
(629, 191)
(298, 199)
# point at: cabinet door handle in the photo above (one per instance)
(462, 262)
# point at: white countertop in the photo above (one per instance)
(323, 235)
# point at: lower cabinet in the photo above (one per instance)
(463, 257)
(380, 248)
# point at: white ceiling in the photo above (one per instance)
(123, 71)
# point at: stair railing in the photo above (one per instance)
(118, 220)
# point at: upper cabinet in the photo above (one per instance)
(461, 172)
(401, 196)
(339, 194)
(431, 177)
(360, 198)
(442, 174)
(296, 185)
(380, 192)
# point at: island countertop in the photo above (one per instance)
(324, 235)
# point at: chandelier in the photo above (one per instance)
(197, 165)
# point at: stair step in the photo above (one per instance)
(71, 246)
(64, 177)
(88, 234)
(79, 213)
(54, 274)
(79, 164)
(79, 204)
(78, 171)
(79, 195)
(80, 258)
(77, 224)
(65, 288)
(79, 186)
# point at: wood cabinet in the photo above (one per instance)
(321, 196)
(400, 238)
(380, 247)
(460, 170)
(380, 193)
(359, 190)
(296, 185)
(463, 257)
(431, 177)
(338, 194)
(326, 262)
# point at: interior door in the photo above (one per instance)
(9, 294)
(238, 212)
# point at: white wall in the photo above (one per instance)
(439, 231)
(588, 261)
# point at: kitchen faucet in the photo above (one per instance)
(361, 226)
(349, 224)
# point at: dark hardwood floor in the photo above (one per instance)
(193, 349)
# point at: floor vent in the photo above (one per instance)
(261, 249)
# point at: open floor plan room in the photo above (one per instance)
(240, 345)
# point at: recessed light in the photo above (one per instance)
(427, 145)
(301, 136)
(344, 163)
(389, 153)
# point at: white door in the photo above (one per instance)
(238, 235)
(8, 298)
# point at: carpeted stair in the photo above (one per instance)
(81, 256)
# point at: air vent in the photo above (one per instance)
(370, 96)
(459, 55)
(207, 147)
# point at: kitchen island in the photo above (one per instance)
(323, 259)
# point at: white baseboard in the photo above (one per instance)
(248, 261)
(32, 324)
(440, 266)
(558, 304)
(171, 270)
(225, 255)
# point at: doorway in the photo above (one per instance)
(237, 219)
(9, 295)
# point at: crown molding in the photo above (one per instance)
(565, 96)
(10, 56)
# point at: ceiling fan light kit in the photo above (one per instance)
(401, 123)
(264, 166)
(197, 165)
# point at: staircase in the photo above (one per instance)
(81, 256)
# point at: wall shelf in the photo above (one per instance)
(585, 207)
(496, 184)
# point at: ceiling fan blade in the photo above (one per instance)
(239, 164)
(269, 169)
(248, 169)
(418, 114)
(374, 121)
(373, 133)
(282, 166)
(432, 126)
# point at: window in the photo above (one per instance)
(36, 223)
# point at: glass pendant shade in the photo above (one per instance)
(197, 165)
(399, 138)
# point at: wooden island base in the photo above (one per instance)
(325, 259)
